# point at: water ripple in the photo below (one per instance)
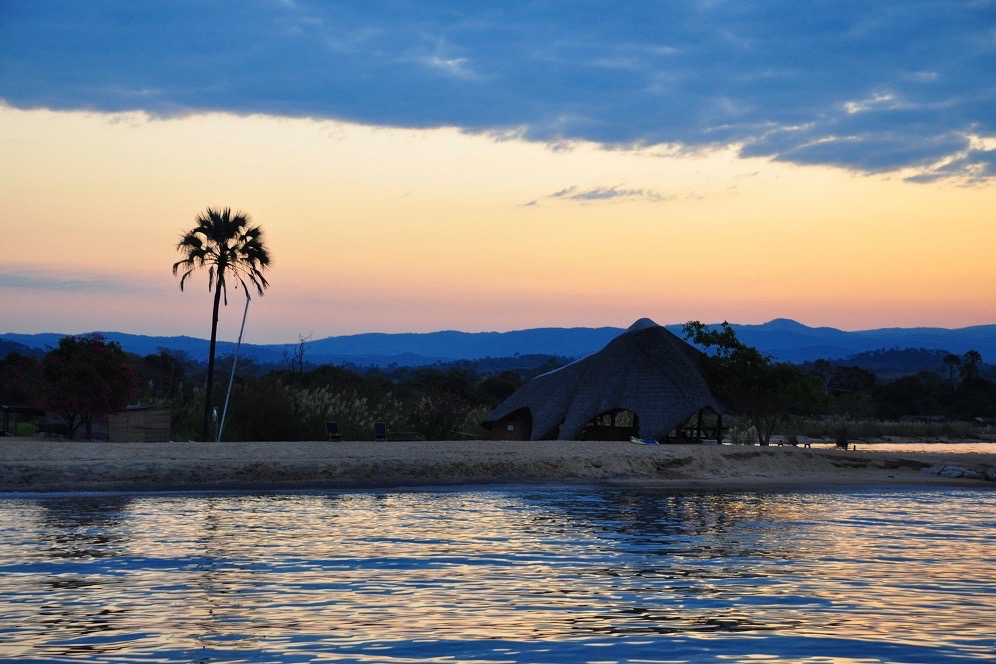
(504, 575)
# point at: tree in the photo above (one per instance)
(952, 361)
(439, 414)
(495, 389)
(295, 362)
(229, 246)
(970, 363)
(161, 373)
(924, 393)
(84, 377)
(20, 377)
(749, 382)
(825, 371)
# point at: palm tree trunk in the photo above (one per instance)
(206, 428)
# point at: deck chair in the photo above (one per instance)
(380, 431)
(332, 428)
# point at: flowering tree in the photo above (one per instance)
(84, 377)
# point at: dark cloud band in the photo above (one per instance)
(876, 86)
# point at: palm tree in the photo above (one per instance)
(229, 246)
(970, 363)
(952, 361)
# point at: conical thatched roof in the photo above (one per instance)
(646, 370)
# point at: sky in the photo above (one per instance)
(420, 166)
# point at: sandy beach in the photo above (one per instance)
(33, 465)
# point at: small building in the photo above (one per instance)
(517, 425)
(139, 425)
(646, 382)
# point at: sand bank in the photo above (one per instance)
(45, 465)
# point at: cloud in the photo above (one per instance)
(452, 66)
(884, 86)
(971, 166)
(46, 279)
(615, 192)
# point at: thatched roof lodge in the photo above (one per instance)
(646, 371)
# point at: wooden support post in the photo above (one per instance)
(698, 427)
(719, 428)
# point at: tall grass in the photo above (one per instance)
(272, 410)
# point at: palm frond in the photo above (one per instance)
(184, 277)
(224, 241)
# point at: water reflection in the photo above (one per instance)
(83, 527)
(69, 549)
(541, 574)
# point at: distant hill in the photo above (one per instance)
(8, 347)
(790, 341)
(897, 362)
(784, 339)
(133, 343)
(450, 345)
(372, 349)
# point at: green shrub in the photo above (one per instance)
(440, 415)
(261, 409)
(186, 411)
(742, 432)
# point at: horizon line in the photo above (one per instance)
(510, 331)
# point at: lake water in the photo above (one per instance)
(914, 445)
(507, 574)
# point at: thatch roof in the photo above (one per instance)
(646, 370)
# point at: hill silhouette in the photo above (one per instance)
(786, 340)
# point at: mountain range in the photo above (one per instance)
(786, 340)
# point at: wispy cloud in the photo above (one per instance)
(605, 194)
(49, 279)
(973, 165)
(865, 86)
(458, 67)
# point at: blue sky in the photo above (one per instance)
(869, 86)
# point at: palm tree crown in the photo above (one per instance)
(227, 244)
(224, 242)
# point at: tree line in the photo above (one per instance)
(87, 377)
(769, 393)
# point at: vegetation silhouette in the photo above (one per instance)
(276, 403)
(750, 383)
(227, 244)
(86, 377)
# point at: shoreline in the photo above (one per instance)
(43, 466)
